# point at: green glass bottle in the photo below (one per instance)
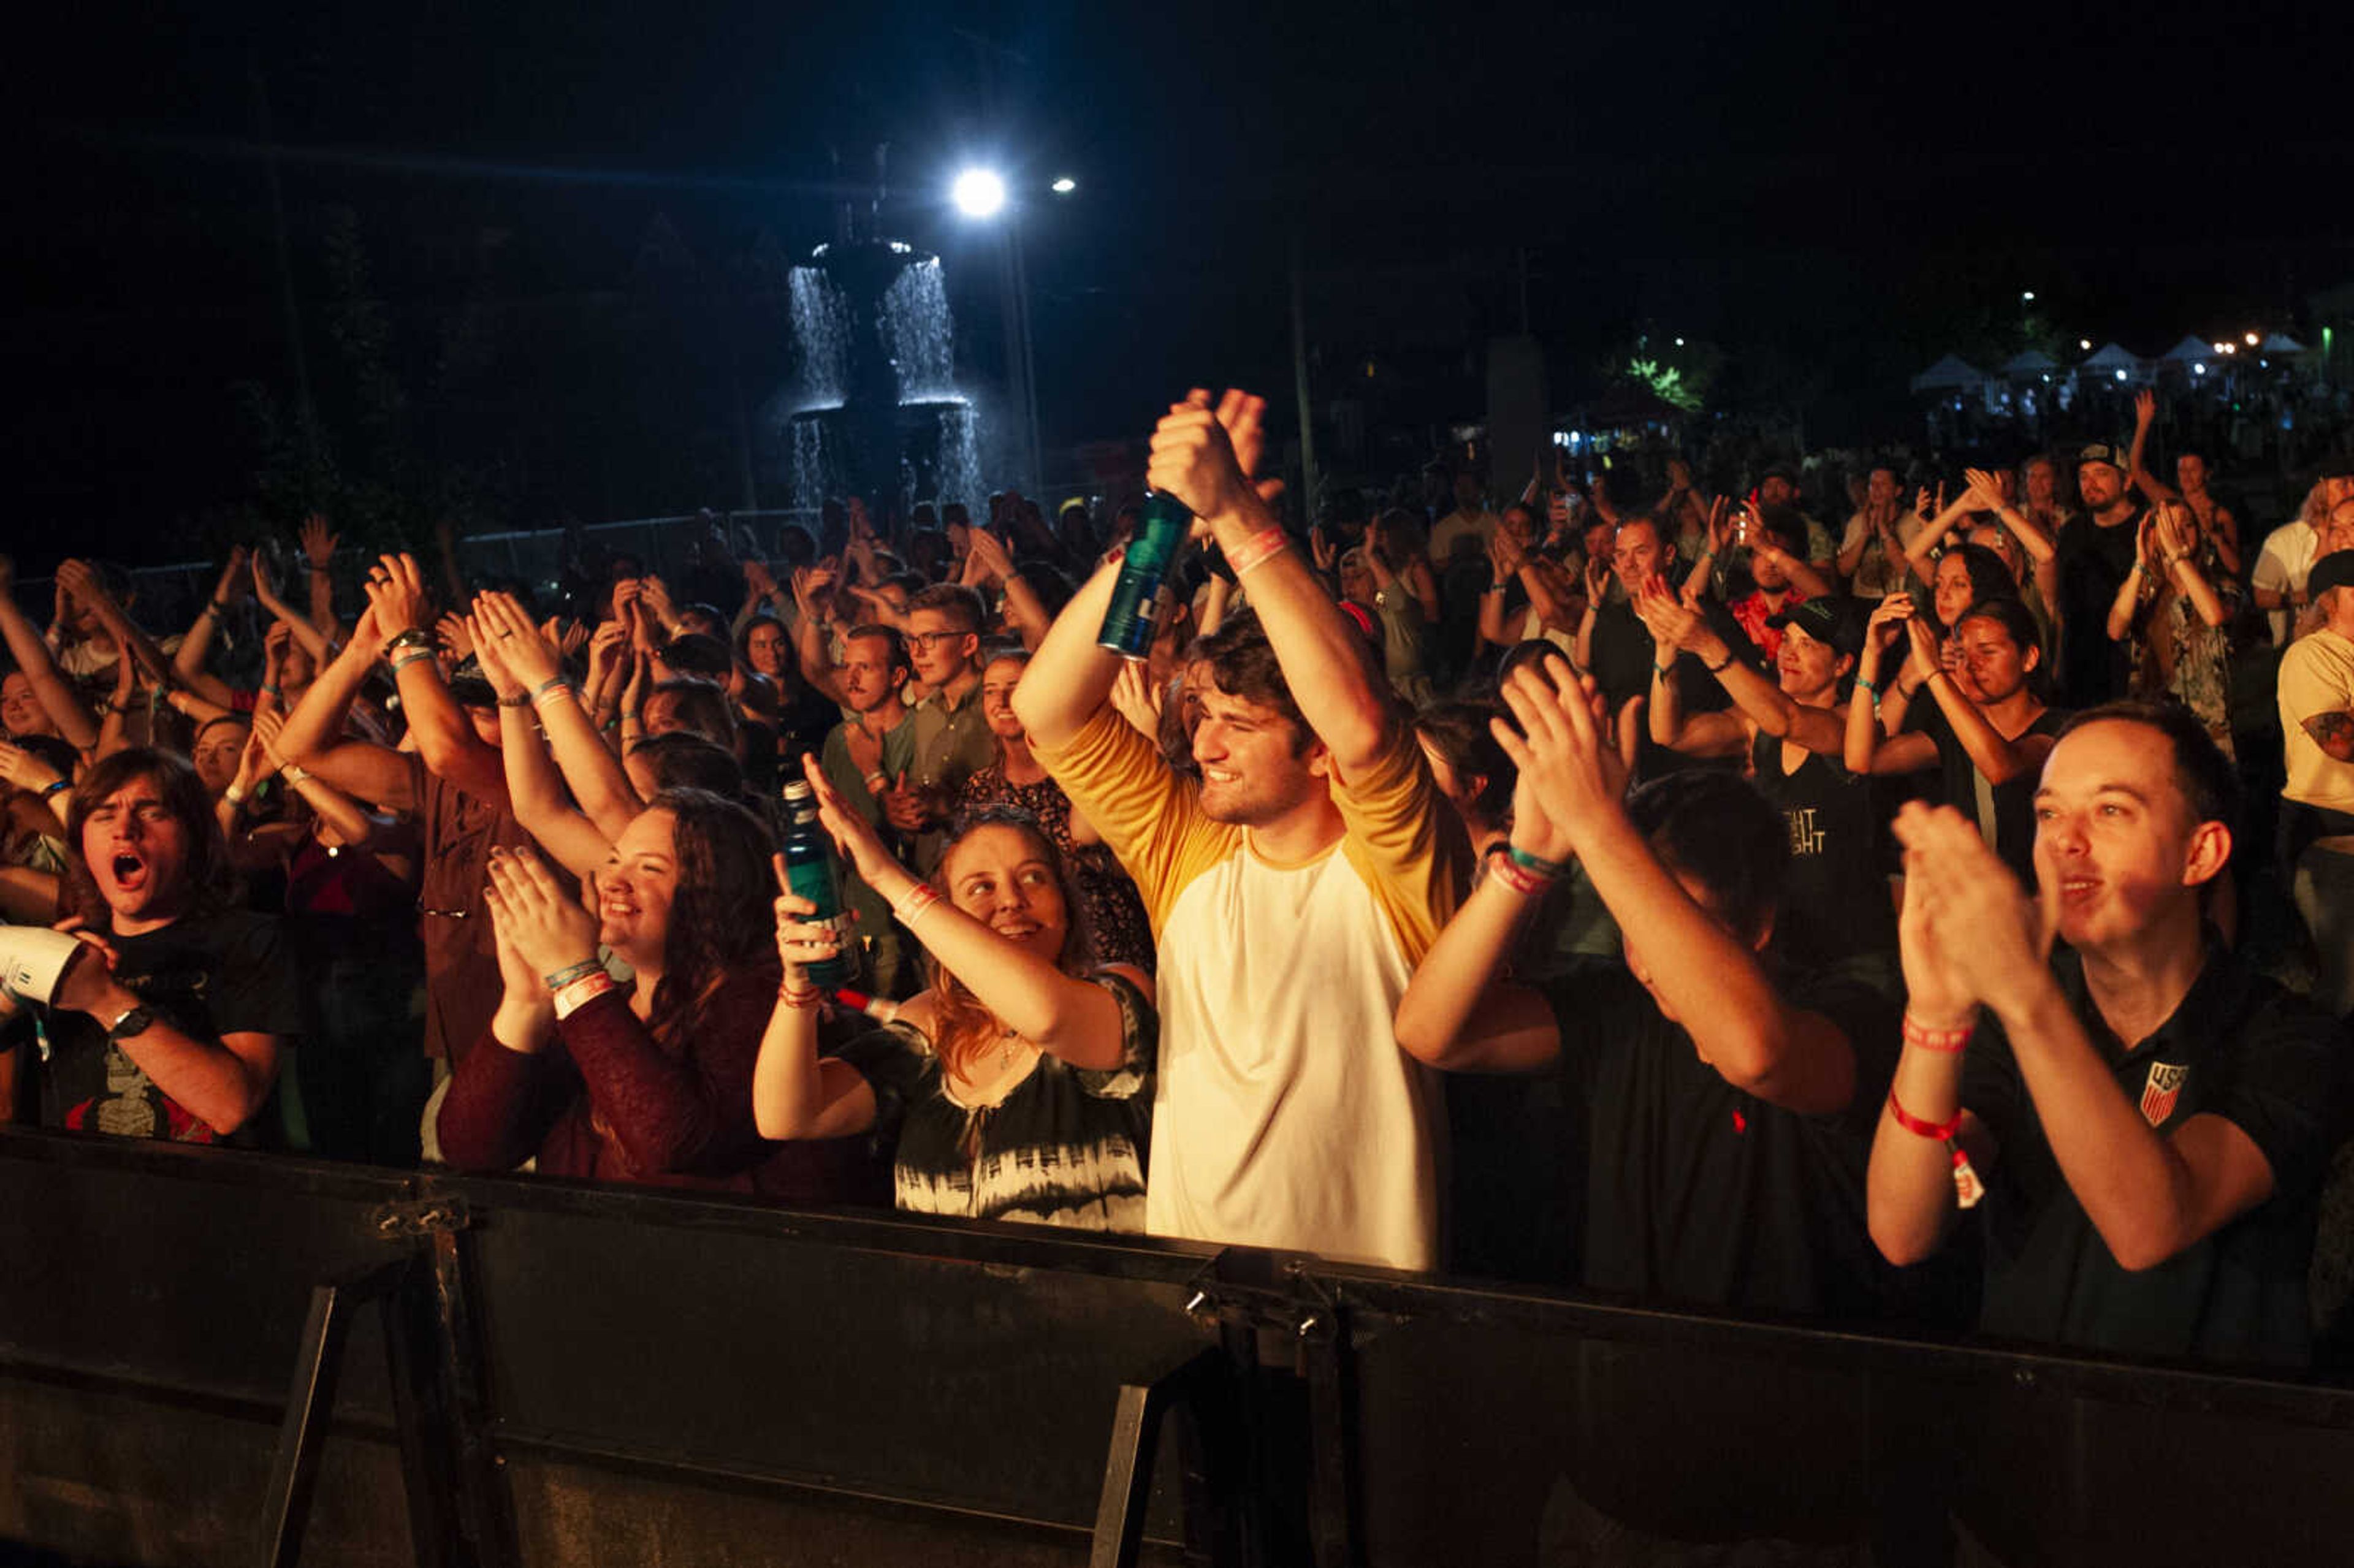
(1160, 534)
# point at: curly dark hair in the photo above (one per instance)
(720, 920)
(212, 884)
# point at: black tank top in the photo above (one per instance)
(1835, 904)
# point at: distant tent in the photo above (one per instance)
(2190, 350)
(2031, 364)
(2281, 343)
(2112, 361)
(1951, 373)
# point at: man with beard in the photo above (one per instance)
(1293, 888)
(863, 753)
(2096, 554)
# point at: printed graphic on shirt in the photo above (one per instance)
(2164, 1087)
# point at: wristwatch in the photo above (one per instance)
(133, 1019)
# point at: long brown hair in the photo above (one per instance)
(961, 1027)
(719, 916)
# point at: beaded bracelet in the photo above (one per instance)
(570, 972)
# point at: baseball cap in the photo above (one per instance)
(1832, 618)
(2334, 570)
(2102, 451)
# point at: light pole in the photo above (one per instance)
(981, 194)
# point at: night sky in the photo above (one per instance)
(1834, 184)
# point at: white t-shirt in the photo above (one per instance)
(1481, 524)
(2316, 676)
(1874, 576)
(1285, 1115)
(2280, 568)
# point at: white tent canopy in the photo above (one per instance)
(1951, 373)
(2034, 362)
(2190, 350)
(2113, 356)
(2281, 343)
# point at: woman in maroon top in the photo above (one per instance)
(649, 1080)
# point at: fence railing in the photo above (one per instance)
(552, 1372)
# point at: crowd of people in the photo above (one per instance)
(1644, 884)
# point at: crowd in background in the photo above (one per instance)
(1908, 890)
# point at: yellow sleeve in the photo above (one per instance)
(1405, 844)
(1148, 814)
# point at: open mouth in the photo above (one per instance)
(129, 871)
(2078, 889)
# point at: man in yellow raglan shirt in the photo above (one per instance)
(1292, 889)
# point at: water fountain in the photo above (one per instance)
(876, 412)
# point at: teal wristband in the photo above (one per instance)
(1537, 864)
(578, 972)
(1868, 685)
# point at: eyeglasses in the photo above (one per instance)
(927, 641)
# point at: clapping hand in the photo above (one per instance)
(1563, 748)
(860, 844)
(1969, 934)
(1985, 494)
(395, 592)
(549, 928)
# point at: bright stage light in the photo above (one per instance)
(979, 193)
(1064, 186)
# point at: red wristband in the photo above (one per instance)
(1257, 550)
(1946, 1042)
(1943, 1132)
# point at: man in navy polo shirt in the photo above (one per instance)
(2148, 1120)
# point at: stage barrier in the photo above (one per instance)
(219, 1358)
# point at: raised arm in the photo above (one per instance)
(1069, 678)
(2178, 542)
(313, 736)
(297, 625)
(1459, 1012)
(1866, 747)
(188, 670)
(1205, 458)
(1707, 978)
(319, 544)
(131, 639)
(1999, 759)
(444, 736)
(2125, 608)
(811, 584)
(1987, 490)
(31, 651)
(1675, 630)
(1024, 611)
(534, 792)
(2137, 467)
(1071, 1018)
(599, 782)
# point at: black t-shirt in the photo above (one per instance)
(1622, 650)
(205, 975)
(1836, 902)
(2239, 1047)
(1700, 1194)
(2093, 562)
(2009, 806)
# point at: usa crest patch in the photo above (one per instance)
(2159, 1095)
